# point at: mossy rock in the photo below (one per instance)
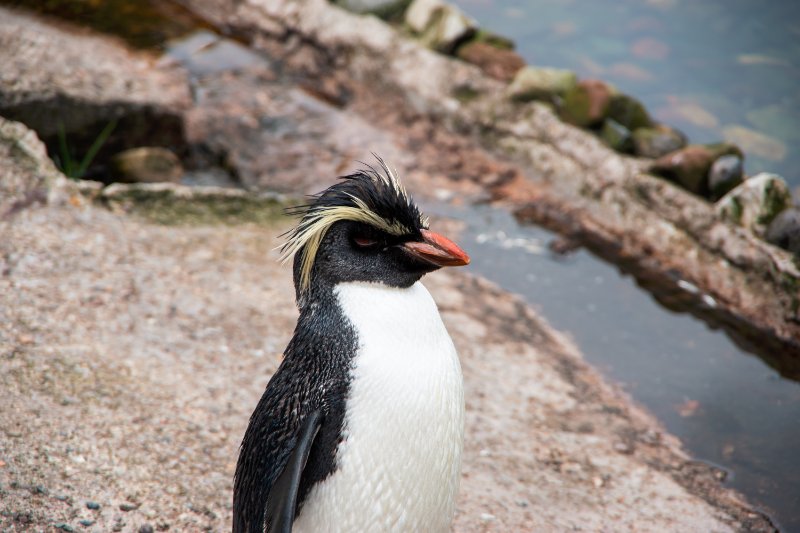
(588, 103)
(171, 204)
(494, 40)
(541, 83)
(689, 166)
(657, 141)
(755, 203)
(628, 111)
(617, 136)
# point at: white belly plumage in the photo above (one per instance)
(399, 466)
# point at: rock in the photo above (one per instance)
(784, 230)
(65, 527)
(86, 522)
(498, 63)
(657, 141)
(587, 104)
(494, 40)
(441, 26)
(55, 77)
(25, 169)
(146, 528)
(128, 507)
(755, 143)
(616, 136)
(689, 166)
(94, 506)
(146, 165)
(541, 83)
(756, 202)
(628, 111)
(168, 203)
(385, 9)
(725, 174)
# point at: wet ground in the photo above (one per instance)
(714, 69)
(725, 404)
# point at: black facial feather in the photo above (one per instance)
(371, 197)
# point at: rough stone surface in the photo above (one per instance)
(54, 76)
(499, 63)
(441, 25)
(757, 201)
(784, 230)
(657, 141)
(726, 173)
(541, 83)
(25, 169)
(124, 342)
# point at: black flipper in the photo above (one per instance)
(282, 498)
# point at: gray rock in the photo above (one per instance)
(726, 173)
(616, 136)
(541, 83)
(94, 506)
(784, 230)
(657, 141)
(25, 169)
(756, 202)
(441, 26)
(500, 63)
(147, 164)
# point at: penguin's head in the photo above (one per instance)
(365, 228)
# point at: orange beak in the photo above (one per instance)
(437, 249)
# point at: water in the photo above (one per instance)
(727, 406)
(715, 69)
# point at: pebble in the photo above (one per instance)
(94, 506)
(146, 528)
(86, 522)
(128, 507)
(65, 527)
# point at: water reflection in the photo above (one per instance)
(727, 406)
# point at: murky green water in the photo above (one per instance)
(727, 405)
(713, 68)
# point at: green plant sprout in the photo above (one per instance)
(69, 165)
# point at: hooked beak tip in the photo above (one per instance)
(438, 250)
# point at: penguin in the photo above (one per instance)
(361, 427)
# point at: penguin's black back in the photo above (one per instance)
(314, 375)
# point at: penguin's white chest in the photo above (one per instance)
(399, 465)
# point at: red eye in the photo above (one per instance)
(364, 241)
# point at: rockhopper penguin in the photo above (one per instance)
(361, 427)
